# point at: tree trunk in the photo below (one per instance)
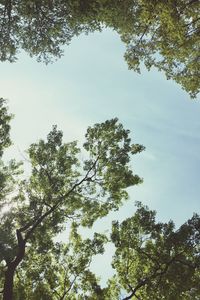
(12, 266)
(8, 284)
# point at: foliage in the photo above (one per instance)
(4, 126)
(60, 188)
(161, 34)
(155, 261)
(11, 170)
(60, 273)
(40, 27)
(152, 260)
(165, 35)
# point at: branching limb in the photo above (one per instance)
(157, 273)
(59, 202)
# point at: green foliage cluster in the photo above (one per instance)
(155, 261)
(161, 34)
(4, 126)
(61, 187)
(152, 260)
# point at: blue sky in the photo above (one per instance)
(91, 83)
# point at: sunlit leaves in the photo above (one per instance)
(110, 145)
(161, 34)
(5, 118)
(62, 272)
(165, 35)
(61, 187)
(153, 259)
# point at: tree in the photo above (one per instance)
(4, 126)
(161, 34)
(40, 27)
(61, 187)
(155, 261)
(152, 260)
(65, 270)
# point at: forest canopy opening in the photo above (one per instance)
(161, 34)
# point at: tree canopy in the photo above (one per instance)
(155, 261)
(61, 187)
(161, 34)
(152, 260)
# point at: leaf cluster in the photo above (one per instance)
(160, 34)
(61, 188)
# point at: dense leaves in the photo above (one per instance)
(4, 126)
(8, 171)
(42, 27)
(61, 187)
(152, 260)
(161, 34)
(165, 35)
(155, 261)
(61, 272)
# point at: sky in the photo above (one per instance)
(92, 83)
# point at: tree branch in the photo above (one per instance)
(58, 203)
(157, 273)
